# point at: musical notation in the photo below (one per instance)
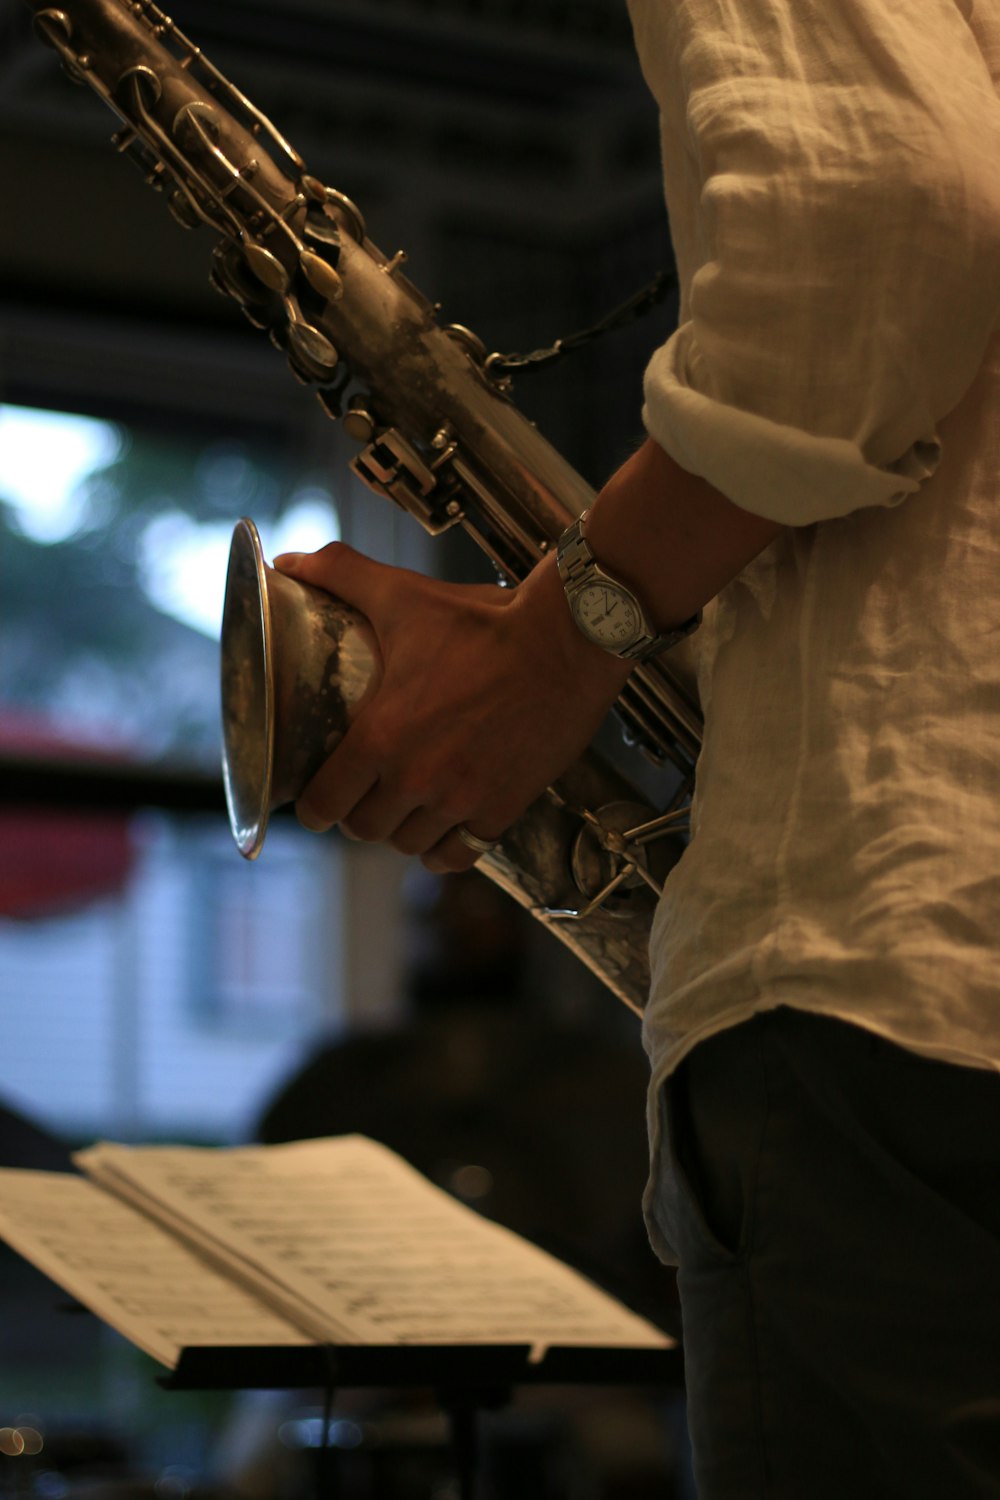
(128, 1270)
(355, 1246)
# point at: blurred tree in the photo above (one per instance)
(104, 632)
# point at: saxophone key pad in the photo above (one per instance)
(321, 276)
(266, 267)
(312, 348)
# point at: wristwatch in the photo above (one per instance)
(605, 609)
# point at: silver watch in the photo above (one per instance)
(605, 609)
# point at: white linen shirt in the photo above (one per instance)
(832, 172)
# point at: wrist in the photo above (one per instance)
(541, 599)
(670, 536)
(607, 609)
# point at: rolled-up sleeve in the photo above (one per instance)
(831, 169)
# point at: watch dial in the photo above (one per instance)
(608, 615)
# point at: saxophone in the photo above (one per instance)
(438, 434)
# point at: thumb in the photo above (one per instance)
(337, 568)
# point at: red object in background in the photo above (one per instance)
(55, 859)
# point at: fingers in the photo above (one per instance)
(404, 772)
(336, 567)
(437, 838)
(374, 588)
(340, 784)
(347, 792)
(363, 787)
(420, 831)
(381, 814)
(317, 567)
(453, 854)
(356, 579)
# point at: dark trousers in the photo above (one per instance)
(835, 1204)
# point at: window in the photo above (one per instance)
(151, 982)
(113, 547)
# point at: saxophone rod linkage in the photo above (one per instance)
(647, 833)
(242, 177)
(162, 26)
(184, 171)
(567, 914)
(55, 28)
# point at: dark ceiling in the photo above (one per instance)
(508, 145)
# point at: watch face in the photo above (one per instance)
(608, 615)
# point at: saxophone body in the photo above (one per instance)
(438, 433)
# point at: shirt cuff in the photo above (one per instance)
(781, 472)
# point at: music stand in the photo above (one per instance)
(466, 1379)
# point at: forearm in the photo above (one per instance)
(671, 536)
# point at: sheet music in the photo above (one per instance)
(366, 1248)
(129, 1271)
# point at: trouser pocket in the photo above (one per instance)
(714, 1111)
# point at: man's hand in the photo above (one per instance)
(487, 695)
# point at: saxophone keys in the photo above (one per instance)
(321, 276)
(53, 27)
(230, 275)
(74, 71)
(469, 341)
(324, 231)
(343, 212)
(266, 267)
(390, 267)
(331, 402)
(358, 421)
(256, 315)
(311, 349)
(183, 210)
(299, 372)
(607, 869)
(196, 124)
(312, 187)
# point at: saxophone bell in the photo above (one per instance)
(297, 666)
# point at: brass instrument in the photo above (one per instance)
(438, 434)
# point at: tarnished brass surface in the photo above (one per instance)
(297, 665)
(439, 435)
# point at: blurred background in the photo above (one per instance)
(152, 984)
